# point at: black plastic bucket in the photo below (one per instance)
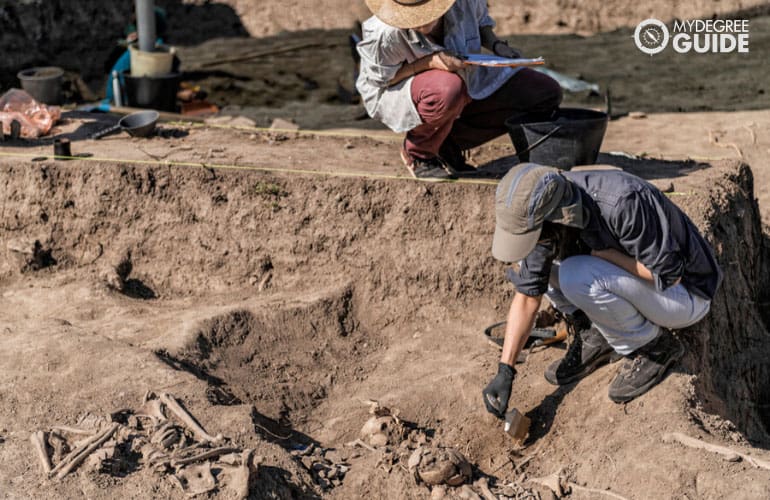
(44, 84)
(573, 137)
(156, 92)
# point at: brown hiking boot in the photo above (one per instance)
(645, 367)
(587, 352)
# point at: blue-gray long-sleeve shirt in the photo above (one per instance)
(634, 217)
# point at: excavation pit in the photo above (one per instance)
(282, 359)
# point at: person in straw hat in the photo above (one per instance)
(413, 79)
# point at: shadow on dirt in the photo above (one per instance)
(41, 258)
(269, 477)
(136, 289)
(651, 168)
(544, 414)
(646, 168)
(218, 393)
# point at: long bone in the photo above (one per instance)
(38, 442)
(173, 405)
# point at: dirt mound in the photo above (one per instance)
(282, 303)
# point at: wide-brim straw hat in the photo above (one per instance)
(406, 14)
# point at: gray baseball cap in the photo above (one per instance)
(525, 197)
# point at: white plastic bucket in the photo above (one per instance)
(158, 63)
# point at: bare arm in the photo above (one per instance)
(439, 60)
(521, 318)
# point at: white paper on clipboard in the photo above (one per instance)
(496, 61)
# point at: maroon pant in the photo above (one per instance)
(447, 110)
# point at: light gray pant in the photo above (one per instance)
(627, 310)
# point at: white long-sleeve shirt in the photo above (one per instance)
(384, 49)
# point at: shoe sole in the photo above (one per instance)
(653, 382)
(609, 357)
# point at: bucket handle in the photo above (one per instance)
(539, 141)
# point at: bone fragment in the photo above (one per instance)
(173, 405)
(552, 482)
(153, 457)
(360, 443)
(722, 450)
(239, 476)
(207, 454)
(196, 480)
(38, 442)
(74, 430)
(467, 493)
(81, 452)
(483, 485)
(152, 409)
(595, 491)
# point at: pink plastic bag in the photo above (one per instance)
(36, 119)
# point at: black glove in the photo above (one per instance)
(501, 48)
(498, 391)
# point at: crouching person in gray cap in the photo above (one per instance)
(616, 257)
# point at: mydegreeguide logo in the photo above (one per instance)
(718, 36)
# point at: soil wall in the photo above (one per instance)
(733, 350)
